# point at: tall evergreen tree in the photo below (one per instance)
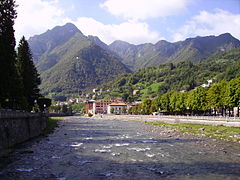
(10, 84)
(28, 73)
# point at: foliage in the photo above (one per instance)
(10, 82)
(220, 95)
(156, 81)
(52, 124)
(112, 110)
(44, 103)
(62, 109)
(234, 92)
(78, 108)
(19, 78)
(124, 110)
(197, 101)
(70, 62)
(28, 73)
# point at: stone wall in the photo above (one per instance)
(17, 127)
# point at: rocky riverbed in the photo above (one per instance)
(91, 148)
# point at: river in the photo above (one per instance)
(88, 148)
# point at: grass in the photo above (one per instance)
(221, 132)
(153, 87)
(52, 124)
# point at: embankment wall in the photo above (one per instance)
(17, 127)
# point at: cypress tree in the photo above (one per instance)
(10, 84)
(28, 73)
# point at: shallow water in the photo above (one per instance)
(87, 148)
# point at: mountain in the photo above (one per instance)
(192, 49)
(68, 61)
(183, 76)
(98, 42)
(47, 41)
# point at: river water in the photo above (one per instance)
(88, 148)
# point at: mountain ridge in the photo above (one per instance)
(48, 40)
(74, 62)
(69, 61)
(191, 49)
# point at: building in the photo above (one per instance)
(97, 106)
(89, 106)
(100, 107)
(117, 108)
(136, 91)
(208, 84)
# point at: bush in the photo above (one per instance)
(90, 114)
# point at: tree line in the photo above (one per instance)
(19, 79)
(220, 97)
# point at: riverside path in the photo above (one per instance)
(90, 148)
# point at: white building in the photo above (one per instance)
(116, 108)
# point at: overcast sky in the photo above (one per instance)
(134, 21)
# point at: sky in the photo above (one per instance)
(134, 21)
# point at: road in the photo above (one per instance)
(88, 148)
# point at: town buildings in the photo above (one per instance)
(117, 108)
(104, 107)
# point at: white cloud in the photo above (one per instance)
(210, 24)
(144, 9)
(36, 16)
(131, 31)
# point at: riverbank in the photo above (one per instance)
(206, 120)
(227, 129)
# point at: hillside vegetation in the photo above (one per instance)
(70, 62)
(183, 76)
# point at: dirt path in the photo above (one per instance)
(88, 148)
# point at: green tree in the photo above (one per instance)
(177, 102)
(218, 96)
(197, 100)
(10, 83)
(28, 73)
(172, 101)
(78, 108)
(234, 92)
(112, 110)
(214, 96)
(124, 110)
(164, 101)
(146, 104)
(44, 103)
(153, 107)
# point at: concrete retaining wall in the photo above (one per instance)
(17, 127)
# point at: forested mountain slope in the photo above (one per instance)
(72, 63)
(155, 81)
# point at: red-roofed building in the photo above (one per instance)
(117, 108)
